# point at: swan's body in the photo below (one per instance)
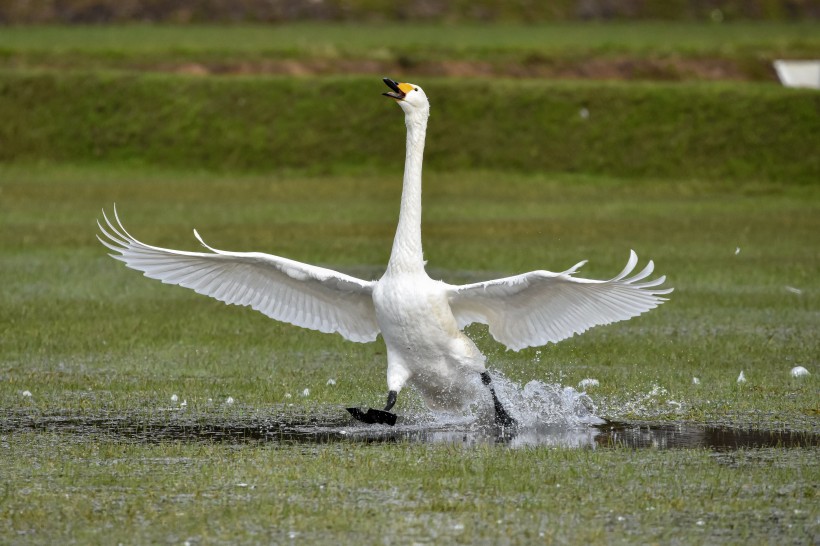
(419, 318)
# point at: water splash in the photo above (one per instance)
(539, 404)
(541, 410)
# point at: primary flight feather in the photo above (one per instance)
(420, 319)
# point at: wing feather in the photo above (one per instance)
(542, 307)
(300, 294)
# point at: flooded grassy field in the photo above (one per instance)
(335, 427)
(63, 486)
(139, 413)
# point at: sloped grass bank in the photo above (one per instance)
(341, 124)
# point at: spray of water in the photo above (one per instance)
(536, 405)
(539, 403)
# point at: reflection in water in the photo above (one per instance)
(677, 436)
(312, 430)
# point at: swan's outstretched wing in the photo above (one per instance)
(304, 295)
(540, 307)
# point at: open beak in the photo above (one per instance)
(396, 92)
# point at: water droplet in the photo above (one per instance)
(588, 382)
(229, 400)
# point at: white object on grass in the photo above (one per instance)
(794, 73)
(588, 382)
(799, 371)
(741, 378)
(420, 319)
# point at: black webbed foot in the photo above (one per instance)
(374, 416)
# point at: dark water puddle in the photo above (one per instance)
(678, 436)
(310, 430)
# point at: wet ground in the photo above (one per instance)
(315, 430)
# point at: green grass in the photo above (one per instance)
(514, 181)
(658, 131)
(77, 322)
(214, 494)
(748, 48)
(377, 40)
(87, 338)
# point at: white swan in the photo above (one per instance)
(419, 318)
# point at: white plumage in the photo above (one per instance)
(286, 290)
(419, 318)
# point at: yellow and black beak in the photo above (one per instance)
(399, 90)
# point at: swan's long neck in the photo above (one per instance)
(407, 254)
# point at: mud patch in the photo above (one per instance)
(533, 66)
(340, 429)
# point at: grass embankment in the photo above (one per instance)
(718, 132)
(642, 51)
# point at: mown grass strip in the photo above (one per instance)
(459, 41)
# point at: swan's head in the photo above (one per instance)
(410, 96)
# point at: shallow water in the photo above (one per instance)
(338, 428)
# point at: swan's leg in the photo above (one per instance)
(391, 400)
(373, 416)
(501, 416)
